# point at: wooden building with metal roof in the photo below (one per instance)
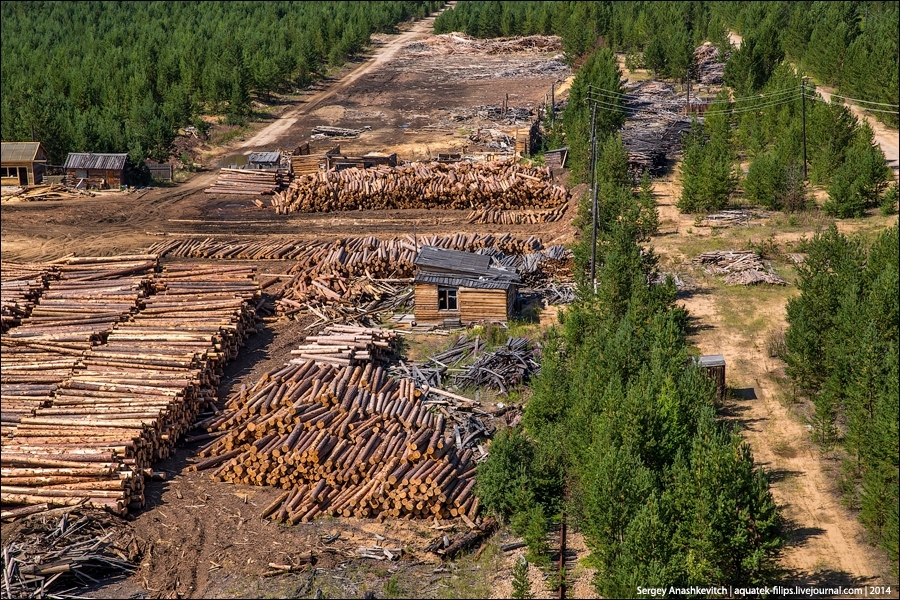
(23, 163)
(89, 170)
(454, 286)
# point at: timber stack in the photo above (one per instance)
(20, 287)
(342, 440)
(93, 411)
(349, 345)
(516, 217)
(248, 182)
(501, 184)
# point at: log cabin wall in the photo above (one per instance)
(482, 305)
(96, 178)
(474, 305)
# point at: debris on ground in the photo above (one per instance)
(51, 559)
(740, 267)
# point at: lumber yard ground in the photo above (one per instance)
(201, 539)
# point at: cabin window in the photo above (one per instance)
(447, 299)
(81, 174)
(5, 172)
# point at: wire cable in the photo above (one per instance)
(897, 106)
(878, 110)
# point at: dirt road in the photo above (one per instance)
(887, 138)
(269, 134)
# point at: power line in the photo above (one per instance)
(878, 110)
(896, 106)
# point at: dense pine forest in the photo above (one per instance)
(124, 76)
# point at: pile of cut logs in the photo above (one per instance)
(20, 287)
(343, 441)
(739, 267)
(516, 217)
(248, 182)
(498, 184)
(86, 412)
(348, 345)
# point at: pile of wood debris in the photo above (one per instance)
(460, 43)
(52, 191)
(739, 267)
(727, 218)
(48, 559)
(710, 69)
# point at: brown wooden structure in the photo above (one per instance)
(461, 286)
(23, 163)
(714, 365)
(89, 170)
(556, 159)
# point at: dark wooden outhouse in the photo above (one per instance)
(23, 163)
(461, 286)
(89, 170)
(714, 365)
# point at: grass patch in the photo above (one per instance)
(472, 577)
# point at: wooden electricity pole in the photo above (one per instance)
(803, 120)
(594, 200)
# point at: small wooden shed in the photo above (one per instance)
(269, 161)
(714, 365)
(23, 163)
(461, 286)
(103, 171)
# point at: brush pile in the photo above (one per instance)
(48, 560)
(498, 184)
(739, 267)
(460, 43)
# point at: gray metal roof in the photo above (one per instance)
(712, 360)
(456, 261)
(89, 160)
(264, 157)
(468, 282)
(20, 152)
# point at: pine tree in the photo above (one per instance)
(521, 584)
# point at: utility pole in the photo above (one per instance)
(803, 119)
(552, 103)
(594, 200)
(688, 111)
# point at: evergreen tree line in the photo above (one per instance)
(850, 45)
(620, 433)
(123, 76)
(767, 127)
(842, 343)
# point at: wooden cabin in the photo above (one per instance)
(89, 170)
(453, 286)
(556, 159)
(23, 163)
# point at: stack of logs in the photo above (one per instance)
(98, 414)
(343, 441)
(20, 287)
(461, 185)
(247, 182)
(305, 251)
(349, 345)
(516, 217)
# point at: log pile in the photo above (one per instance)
(51, 557)
(727, 218)
(248, 182)
(739, 267)
(20, 287)
(710, 70)
(501, 184)
(342, 441)
(348, 345)
(335, 131)
(97, 415)
(652, 133)
(516, 217)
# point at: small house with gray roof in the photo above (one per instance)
(95, 170)
(459, 286)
